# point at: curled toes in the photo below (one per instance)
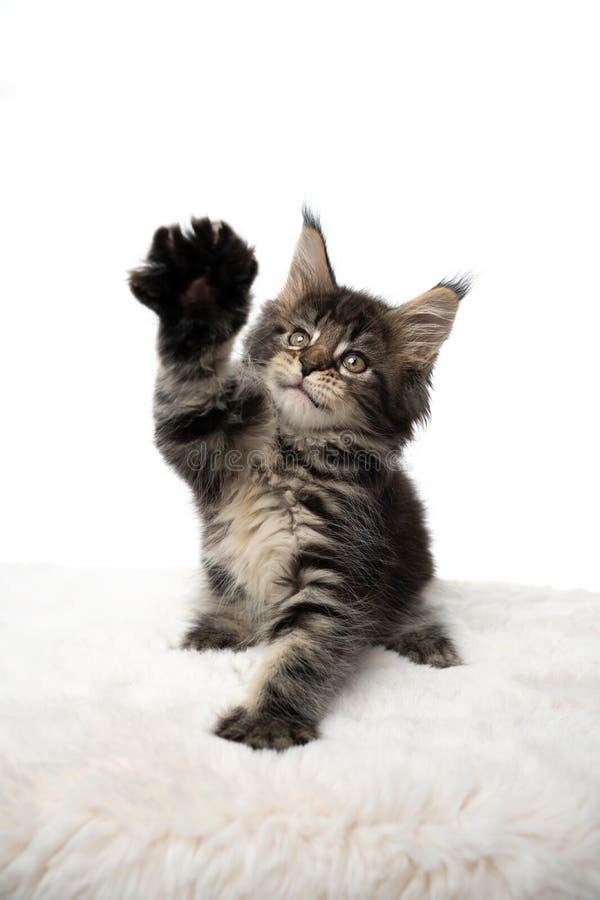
(189, 268)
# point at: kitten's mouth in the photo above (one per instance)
(302, 394)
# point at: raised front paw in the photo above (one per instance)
(264, 730)
(202, 275)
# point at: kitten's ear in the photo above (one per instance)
(425, 322)
(310, 271)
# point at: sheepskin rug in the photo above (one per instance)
(476, 782)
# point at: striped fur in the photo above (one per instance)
(314, 539)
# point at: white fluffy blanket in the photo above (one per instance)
(476, 782)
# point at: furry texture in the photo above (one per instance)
(480, 781)
(314, 538)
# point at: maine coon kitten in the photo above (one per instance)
(314, 538)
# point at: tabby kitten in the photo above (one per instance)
(314, 539)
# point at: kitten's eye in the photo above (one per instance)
(354, 362)
(298, 339)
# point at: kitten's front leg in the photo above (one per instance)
(316, 637)
(198, 282)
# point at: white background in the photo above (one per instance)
(432, 137)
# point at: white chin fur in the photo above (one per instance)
(296, 408)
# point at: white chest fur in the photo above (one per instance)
(260, 529)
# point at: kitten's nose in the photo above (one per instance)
(309, 365)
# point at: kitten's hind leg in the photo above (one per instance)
(425, 642)
(214, 632)
(222, 627)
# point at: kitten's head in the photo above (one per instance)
(337, 358)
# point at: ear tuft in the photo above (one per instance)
(461, 285)
(311, 271)
(311, 219)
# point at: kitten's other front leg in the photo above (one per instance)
(316, 637)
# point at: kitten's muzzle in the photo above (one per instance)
(314, 360)
(299, 383)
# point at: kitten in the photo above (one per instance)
(314, 539)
